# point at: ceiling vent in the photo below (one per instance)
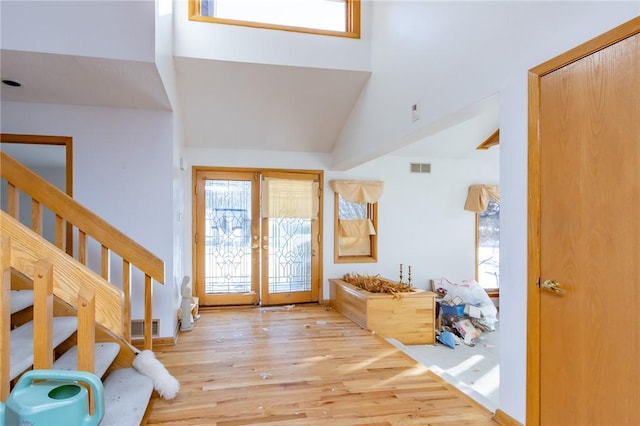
(420, 168)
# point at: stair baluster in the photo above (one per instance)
(43, 315)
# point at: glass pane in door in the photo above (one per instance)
(227, 237)
(289, 255)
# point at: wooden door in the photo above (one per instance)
(227, 249)
(290, 237)
(584, 234)
(257, 236)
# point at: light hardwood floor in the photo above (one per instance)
(301, 366)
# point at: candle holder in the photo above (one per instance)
(409, 276)
(400, 273)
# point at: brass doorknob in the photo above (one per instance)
(552, 286)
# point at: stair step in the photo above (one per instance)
(21, 299)
(126, 396)
(105, 353)
(22, 342)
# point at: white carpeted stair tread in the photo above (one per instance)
(105, 353)
(21, 299)
(22, 342)
(126, 396)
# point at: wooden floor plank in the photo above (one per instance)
(301, 366)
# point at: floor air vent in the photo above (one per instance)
(420, 168)
(137, 328)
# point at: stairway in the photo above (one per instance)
(126, 391)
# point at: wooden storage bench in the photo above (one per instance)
(409, 319)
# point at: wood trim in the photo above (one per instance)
(600, 42)
(492, 140)
(69, 276)
(533, 255)
(67, 142)
(42, 315)
(83, 218)
(352, 18)
(86, 329)
(372, 214)
(148, 312)
(477, 242)
(504, 419)
(5, 318)
(198, 172)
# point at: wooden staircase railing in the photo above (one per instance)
(53, 273)
(85, 224)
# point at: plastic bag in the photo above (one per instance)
(471, 293)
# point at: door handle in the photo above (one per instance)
(553, 286)
(255, 246)
(265, 247)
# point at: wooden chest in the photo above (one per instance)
(408, 319)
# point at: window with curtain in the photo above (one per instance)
(484, 201)
(356, 221)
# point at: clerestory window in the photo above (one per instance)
(327, 17)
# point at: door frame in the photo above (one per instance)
(263, 171)
(62, 141)
(600, 42)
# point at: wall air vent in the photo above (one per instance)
(137, 328)
(420, 168)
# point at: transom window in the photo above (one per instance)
(328, 17)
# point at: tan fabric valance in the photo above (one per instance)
(292, 198)
(358, 191)
(479, 195)
(356, 228)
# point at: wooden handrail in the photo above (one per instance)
(88, 224)
(70, 276)
(79, 216)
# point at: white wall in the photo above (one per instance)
(422, 222)
(122, 167)
(205, 40)
(451, 56)
(104, 29)
(421, 218)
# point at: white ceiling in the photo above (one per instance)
(227, 104)
(268, 107)
(459, 140)
(81, 80)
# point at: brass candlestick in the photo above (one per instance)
(400, 272)
(409, 276)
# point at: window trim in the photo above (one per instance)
(372, 214)
(353, 21)
(493, 291)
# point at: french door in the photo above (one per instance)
(256, 238)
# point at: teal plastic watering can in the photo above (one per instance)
(53, 397)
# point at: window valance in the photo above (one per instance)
(292, 198)
(360, 228)
(479, 195)
(357, 191)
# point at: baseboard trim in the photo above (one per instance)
(504, 419)
(158, 341)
